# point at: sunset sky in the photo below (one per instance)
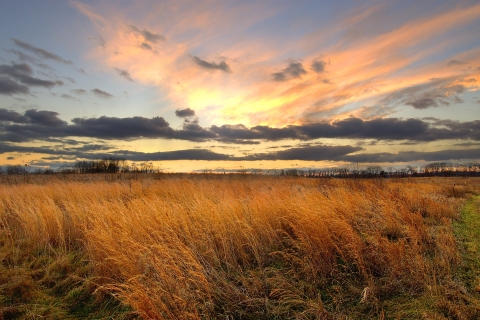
(223, 85)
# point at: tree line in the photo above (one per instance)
(104, 165)
(119, 165)
(439, 169)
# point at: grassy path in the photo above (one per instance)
(467, 231)
(457, 296)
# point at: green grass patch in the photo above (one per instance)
(467, 231)
(451, 296)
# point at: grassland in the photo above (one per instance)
(240, 247)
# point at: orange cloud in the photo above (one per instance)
(360, 73)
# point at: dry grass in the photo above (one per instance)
(243, 247)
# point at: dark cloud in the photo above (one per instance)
(44, 118)
(92, 152)
(47, 125)
(223, 66)
(124, 73)
(64, 141)
(32, 116)
(309, 153)
(273, 134)
(49, 164)
(43, 125)
(40, 52)
(56, 158)
(23, 57)
(193, 132)
(315, 153)
(191, 154)
(354, 128)
(238, 133)
(146, 46)
(277, 147)
(409, 156)
(6, 148)
(101, 94)
(147, 35)
(234, 133)
(235, 141)
(293, 70)
(120, 128)
(79, 91)
(9, 87)
(467, 144)
(86, 151)
(470, 128)
(423, 103)
(12, 116)
(101, 42)
(435, 93)
(456, 63)
(10, 75)
(318, 66)
(382, 129)
(67, 96)
(185, 113)
(39, 82)
(152, 37)
(92, 147)
(436, 98)
(16, 70)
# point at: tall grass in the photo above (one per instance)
(249, 248)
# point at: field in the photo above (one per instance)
(239, 247)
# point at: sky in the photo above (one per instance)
(228, 85)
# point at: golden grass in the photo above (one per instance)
(246, 247)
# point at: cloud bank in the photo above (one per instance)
(35, 124)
